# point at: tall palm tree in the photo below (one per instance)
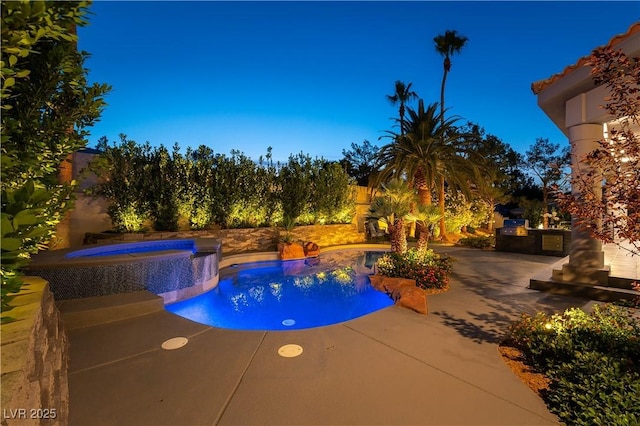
(447, 45)
(402, 95)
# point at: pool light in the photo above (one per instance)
(290, 351)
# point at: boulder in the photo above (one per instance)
(311, 249)
(413, 298)
(291, 251)
(389, 284)
(403, 291)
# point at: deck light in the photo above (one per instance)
(174, 343)
(290, 351)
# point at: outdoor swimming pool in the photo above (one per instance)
(297, 294)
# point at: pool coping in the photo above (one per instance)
(53, 259)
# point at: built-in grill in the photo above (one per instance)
(515, 227)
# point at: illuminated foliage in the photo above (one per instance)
(202, 188)
(429, 269)
(47, 104)
(392, 207)
(591, 359)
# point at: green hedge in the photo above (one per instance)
(198, 189)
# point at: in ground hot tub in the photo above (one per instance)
(174, 269)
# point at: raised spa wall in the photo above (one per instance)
(171, 271)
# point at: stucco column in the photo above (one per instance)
(586, 258)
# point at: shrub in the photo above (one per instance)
(592, 360)
(595, 389)
(128, 218)
(429, 269)
(47, 105)
(201, 188)
(477, 242)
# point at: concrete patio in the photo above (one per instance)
(392, 367)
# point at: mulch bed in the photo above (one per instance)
(515, 360)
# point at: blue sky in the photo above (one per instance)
(312, 76)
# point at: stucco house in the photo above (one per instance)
(573, 102)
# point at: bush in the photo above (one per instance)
(47, 105)
(477, 242)
(595, 389)
(592, 359)
(429, 269)
(202, 188)
(128, 218)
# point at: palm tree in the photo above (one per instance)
(402, 95)
(424, 217)
(447, 45)
(392, 208)
(415, 152)
(431, 151)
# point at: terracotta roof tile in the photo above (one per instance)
(539, 86)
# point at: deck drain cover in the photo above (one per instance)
(290, 351)
(288, 322)
(175, 343)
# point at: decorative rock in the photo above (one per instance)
(311, 249)
(413, 298)
(389, 284)
(290, 251)
(403, 291)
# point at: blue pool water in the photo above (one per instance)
(134, 247)
(289, 295)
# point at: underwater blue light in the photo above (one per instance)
(289, 295)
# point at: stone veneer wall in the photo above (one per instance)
(250, 239)
(35, 354)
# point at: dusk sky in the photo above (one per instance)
(312, 76)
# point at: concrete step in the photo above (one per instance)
(92, 311)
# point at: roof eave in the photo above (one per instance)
(554, 92)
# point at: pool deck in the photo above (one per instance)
(392, 367)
